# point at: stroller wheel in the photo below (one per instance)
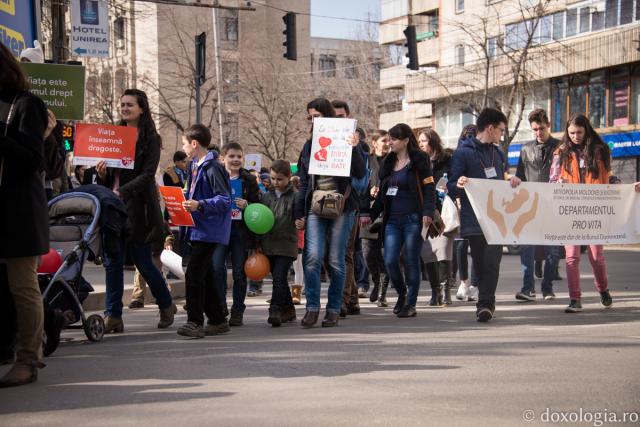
(51, 333)
(94, 327)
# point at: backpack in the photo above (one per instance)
(361, 185)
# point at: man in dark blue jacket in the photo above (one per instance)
(480, 157)
(209, 201)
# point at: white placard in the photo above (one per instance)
(173, 262)
(90, 28)
(555, 214)
(253, 162)
(330, 152)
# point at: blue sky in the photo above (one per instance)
(341, 29)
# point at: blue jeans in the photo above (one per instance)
(403, 235)
(319, 233)
(362, 272)
(114, 276)
(551, 255)
(238, 250)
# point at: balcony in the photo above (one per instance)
(422, 6)
(417, 116)
(393, 77)
(391, 32)
(429, 51)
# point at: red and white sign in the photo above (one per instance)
(116, 145)
(330, 151)
(173, 198)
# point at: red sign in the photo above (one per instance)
(173, 198)
(116, 145)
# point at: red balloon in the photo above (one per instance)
(50, 262)
(257, 267)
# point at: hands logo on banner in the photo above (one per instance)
(515, 206)
(321, 154)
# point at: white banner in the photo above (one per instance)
(555, 214)
(90, 28)
(330, 152)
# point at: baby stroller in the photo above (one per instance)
(75, 234)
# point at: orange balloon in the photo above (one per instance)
(257, 267)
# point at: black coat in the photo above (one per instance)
(139, 192)
(24, 217)
(420, 167)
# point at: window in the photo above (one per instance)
(585, 19)
(228, 25)
(106, 91)
(559, 90)
(459, 6)
(558, 25)
(230, 81)
(460, 54)
(119, 32)
(230, 127)
(545, 28)
(492, 47)
(571, 28)
(121, 81)
(375, 70)
(597, 99)
(635, 95)
(350, 70)
(619, 97)
(92, 90)
(327, 65)
(597, 20)
(611, 19)
(626, 11)
(637, 10)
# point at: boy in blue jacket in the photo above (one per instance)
(209, 201)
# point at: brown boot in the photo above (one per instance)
(22, 372)
(113, 325)
(166, 316)
(296, 293)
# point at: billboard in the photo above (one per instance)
(18, 27)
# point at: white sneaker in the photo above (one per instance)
(463, 292)
(473, 293)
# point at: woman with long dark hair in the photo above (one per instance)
(24, 222)
(407, 201)
(437, 252)
(321, 233)
(138, 191)
(583, 158)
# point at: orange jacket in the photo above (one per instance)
(573, 177)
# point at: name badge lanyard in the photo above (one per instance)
(489, 172)
(6, 132)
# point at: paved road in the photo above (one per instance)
(441, 368)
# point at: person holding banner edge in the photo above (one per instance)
(137, 189)
(480, 157)
(583, 158)
(533, 166)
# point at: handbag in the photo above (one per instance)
(328, 204)
(450, 216)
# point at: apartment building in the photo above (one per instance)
(571, 56)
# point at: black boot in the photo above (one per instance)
(382, 300)
(402, 300)
(310, 318)
(373, 297)
(275, 316)
(446, 293)
(436, 296)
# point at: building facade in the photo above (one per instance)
(565, 56)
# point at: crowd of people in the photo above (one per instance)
(384, 230)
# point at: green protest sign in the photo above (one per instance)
(61, 87)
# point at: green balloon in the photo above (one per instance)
(259, 218)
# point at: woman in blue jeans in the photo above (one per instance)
(406, 200)
(137, 189)
(322, 234)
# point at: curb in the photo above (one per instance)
(95, 300)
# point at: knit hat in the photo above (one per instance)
(33, 54)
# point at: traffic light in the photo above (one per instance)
(290, 36)
(67, 138)
(412, 47)
(201, 58)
